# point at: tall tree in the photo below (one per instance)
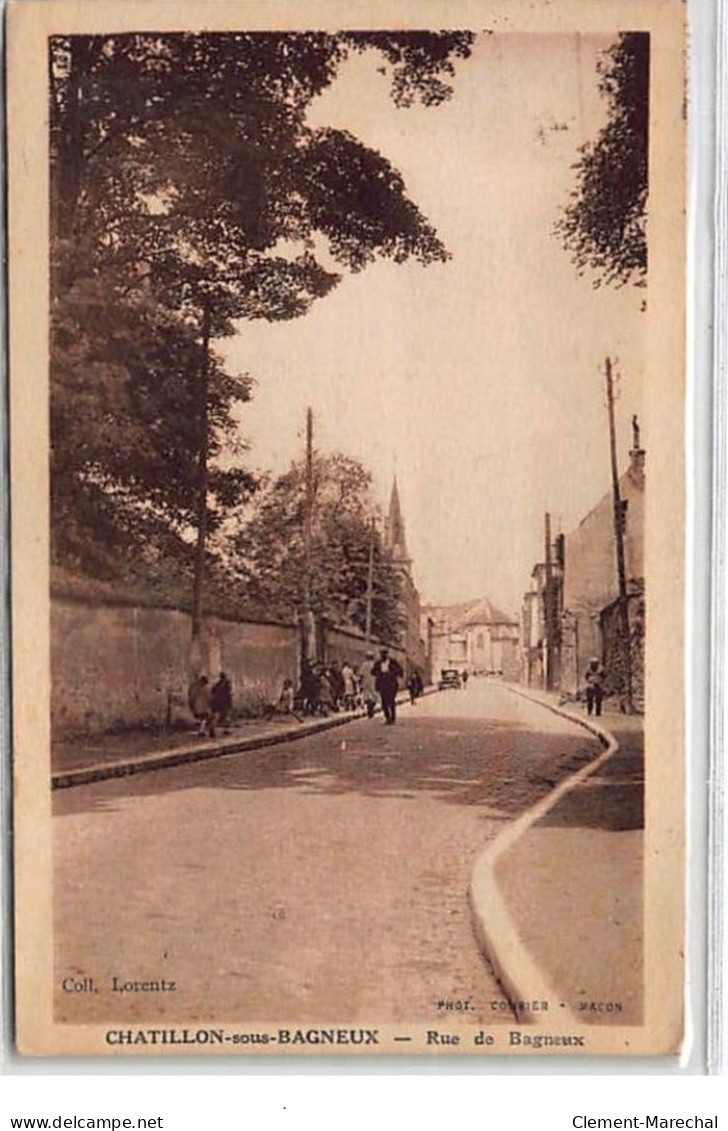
(125, 418)
(188, 191)
(604, 226)
(270, 553)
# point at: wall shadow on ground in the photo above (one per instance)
(613, 798)
(500, 767)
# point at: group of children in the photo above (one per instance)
(329, 688)
(210, 705)
(326, 688)
(323, 689)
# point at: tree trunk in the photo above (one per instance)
(69, 150)
(202, 479)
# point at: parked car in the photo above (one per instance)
(449, 678)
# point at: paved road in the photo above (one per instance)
(322, 881)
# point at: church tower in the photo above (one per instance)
(395, 542)
(394, 533)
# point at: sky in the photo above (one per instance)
(480, 381)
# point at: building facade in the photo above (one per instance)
(473, 636)
(573, 611)
(591, 588)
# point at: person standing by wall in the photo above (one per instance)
(200, 701)
(222, 700)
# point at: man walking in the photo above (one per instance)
(594, 677)
(387, 674)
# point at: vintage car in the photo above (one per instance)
(449, 678)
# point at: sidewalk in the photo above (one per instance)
(573, 885)
(78, 761)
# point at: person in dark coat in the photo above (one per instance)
(326, 696)
(414, 686)
(594, 679)
(336, 680)
(387, 674)
(222, 699)
(310, 689)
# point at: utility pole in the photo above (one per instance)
(202, 476)
(370, 585)
(624, 629)
(550, 611)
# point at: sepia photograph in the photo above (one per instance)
(347, 415)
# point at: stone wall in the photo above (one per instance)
(615, 660)
(125, 665)
(343, 644)
(122, 665)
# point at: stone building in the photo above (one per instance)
(473, 636)
(591, 587)
(572, 610)
(541, 621)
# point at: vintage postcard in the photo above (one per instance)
(347, 415)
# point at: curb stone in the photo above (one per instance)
(197, 752)
(494, 927)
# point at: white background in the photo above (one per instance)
(336, 1102)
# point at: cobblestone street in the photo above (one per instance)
(324, 881)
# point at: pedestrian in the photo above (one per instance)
(466, 676)
(286, 699)
(336, 680)
(326, 697)
(594, 678)
(349, 681)
(414, 686)
(387, 674)
(367, 684)
(310, 687)
(200, 701)
(221, 698)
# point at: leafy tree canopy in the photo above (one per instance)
(269, 552)
(188, 191)
(192, 153)
(604, 226)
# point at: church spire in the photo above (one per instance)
(396, 539)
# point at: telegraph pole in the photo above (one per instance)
(370, 585)
(550, 611)
(624, 629)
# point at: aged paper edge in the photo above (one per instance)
(30, 22)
